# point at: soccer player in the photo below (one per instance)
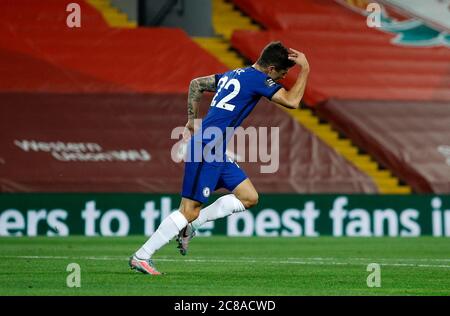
(236, 94)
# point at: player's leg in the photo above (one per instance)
(197, 189)
(190, 208)
(198, 177)
(168, 229)
(243, 196)
(246, 193)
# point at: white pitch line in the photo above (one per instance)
(297, 261)
(368, 259)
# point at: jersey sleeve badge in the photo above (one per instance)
(269, 82)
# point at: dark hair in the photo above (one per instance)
(275, 54)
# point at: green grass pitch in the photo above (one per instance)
(228, 266)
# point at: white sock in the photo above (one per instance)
(169, 228)
(222, 207)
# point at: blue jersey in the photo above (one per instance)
(237, 93)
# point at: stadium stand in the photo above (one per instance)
(369, 67)
(364, 71)
(111, 59)
(76, 103)
(408, 140)
(130, 146)
(226, 20)
(355, 64)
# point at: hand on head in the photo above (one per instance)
(298, 57)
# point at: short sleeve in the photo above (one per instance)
(267, 88)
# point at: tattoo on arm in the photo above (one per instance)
(196, 89)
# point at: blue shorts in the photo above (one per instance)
(203, 178)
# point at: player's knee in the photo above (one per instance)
(251, 200)
(191, 213)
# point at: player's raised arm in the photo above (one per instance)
(196, 89)
(291, 99)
